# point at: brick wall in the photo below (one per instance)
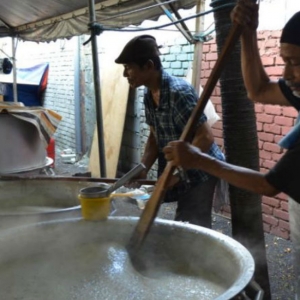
(273, 122)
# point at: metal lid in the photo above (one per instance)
(93, 192)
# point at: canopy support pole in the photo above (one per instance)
(96, 73)
(15, 88)
(198, 50)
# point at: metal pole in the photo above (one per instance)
(15, 88)
(99, 120)
(77, 98)
(198, 50)
(180, 27)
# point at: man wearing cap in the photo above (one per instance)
(285, 175)
(169, 102)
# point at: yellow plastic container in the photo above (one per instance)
(95, 204)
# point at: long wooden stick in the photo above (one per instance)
(152, 206)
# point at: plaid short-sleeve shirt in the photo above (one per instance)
(177, 101)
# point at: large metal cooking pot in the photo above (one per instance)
(64, 259)
(24, 201)
(22, 149)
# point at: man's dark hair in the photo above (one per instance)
(156, 61)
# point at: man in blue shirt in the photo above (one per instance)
(169, 102)
(285, 175)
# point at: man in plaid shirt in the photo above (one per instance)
(169, 102)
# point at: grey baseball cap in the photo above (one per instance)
(143, 46)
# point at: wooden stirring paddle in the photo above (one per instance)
(152, 206)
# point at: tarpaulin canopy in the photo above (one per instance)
(40, 20)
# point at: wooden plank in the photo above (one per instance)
(114, 97)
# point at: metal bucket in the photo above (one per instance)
(24, 201)
(64, 260)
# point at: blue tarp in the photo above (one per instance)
(31, 83)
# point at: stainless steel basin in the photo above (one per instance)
(62, 260)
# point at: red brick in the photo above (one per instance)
(264, 118)
(204, 65)
(212, 64)
(280, 232)
(283, 215)
(268, 164)
(274, 71)
(215, 99)
(284, 225)
(277, 138)
(266, 227)
(276, 157)
(267, 61)
(259, 108)
(270, 201)
(217, 133)
(259, 126)
(282, 196)
(207, 73)
(260, 34)
(261, 47)
(206, 48)
(279, 61)
(265, 154)
(284, 206)
(276, 33)
(289, 112)
(270, 219)
(260, 144)
(218, 125)
(266, 209)
(271, 147)
(271, 43)
(273, 110)
(285, 121)
(218, 109)
(266, 137)
(213, 47)
(211, 56)
(272, 128)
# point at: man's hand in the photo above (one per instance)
(245, 13)
(182, 154)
